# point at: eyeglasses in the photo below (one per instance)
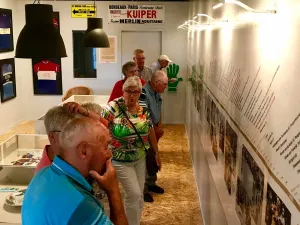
(134, 93)
(142, 58)
(55, 131)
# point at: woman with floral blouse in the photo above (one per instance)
(128, 148)
(130, 141)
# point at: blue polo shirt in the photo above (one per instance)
(153, 102)
(59, 194)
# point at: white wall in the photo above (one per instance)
(173, 44)
(10, 110)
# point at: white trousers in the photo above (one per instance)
(132, 178)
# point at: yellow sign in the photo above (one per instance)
(83, 11)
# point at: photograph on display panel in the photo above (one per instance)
(8, 79)
(250, 188)
(47, 79)
(6, 31)
(276, 211)
(230, 157)
(221, 132)
(213, 130)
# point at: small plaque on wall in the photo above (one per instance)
(7, 79)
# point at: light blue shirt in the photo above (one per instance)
(60, 195)
(155, 66)
(153, 101)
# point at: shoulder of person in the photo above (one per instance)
(89, 211)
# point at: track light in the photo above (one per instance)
(244, 6)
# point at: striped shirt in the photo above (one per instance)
(60, 195)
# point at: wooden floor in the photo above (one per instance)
(179, 205)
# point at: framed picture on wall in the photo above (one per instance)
(7, 79)
(56, 20)
(6, 31)
(47, 78)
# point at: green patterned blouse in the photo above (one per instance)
(126, 146)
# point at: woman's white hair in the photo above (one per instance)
(134, 81)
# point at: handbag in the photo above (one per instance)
(151, 165)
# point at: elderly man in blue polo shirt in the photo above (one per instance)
(151, 98)
(61, 194)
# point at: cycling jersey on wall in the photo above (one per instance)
(46, 72)
(6, 38)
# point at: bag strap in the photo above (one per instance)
(135, 130)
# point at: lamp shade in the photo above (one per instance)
(39, 38)
(95, 36)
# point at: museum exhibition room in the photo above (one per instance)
(178, 112)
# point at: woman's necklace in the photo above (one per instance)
(133, 110)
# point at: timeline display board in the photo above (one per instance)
(247, 102)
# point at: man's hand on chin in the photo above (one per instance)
(108, 180)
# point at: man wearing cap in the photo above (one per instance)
(162, 62)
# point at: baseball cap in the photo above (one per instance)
(165, 57)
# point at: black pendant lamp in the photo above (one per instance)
(39, 38)
(95, 37)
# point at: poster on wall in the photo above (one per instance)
(109, 55)
(250, 190)
(8, 79)
(47, 78)
(6, 31)
(276, 211)
(136, 14)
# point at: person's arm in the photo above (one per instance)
(117, 212)
(153, 143)
(109, 182)
(74, 107)
(159, 123)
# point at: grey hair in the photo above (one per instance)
(133, 81)
(127, 66)
(158, 76)
(57, 118)
(93, 107)
(72, 134)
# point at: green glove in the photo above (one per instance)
(172, 72)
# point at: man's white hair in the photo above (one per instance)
(77, 131)
(57, 118)
(159, 75)
(93, 107)
(134, 81)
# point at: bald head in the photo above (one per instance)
(159, 75)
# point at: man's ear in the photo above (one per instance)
(51, 136)
(82, 150)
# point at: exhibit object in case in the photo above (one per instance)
(6, 31)
(7, 79)
(23, 150)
